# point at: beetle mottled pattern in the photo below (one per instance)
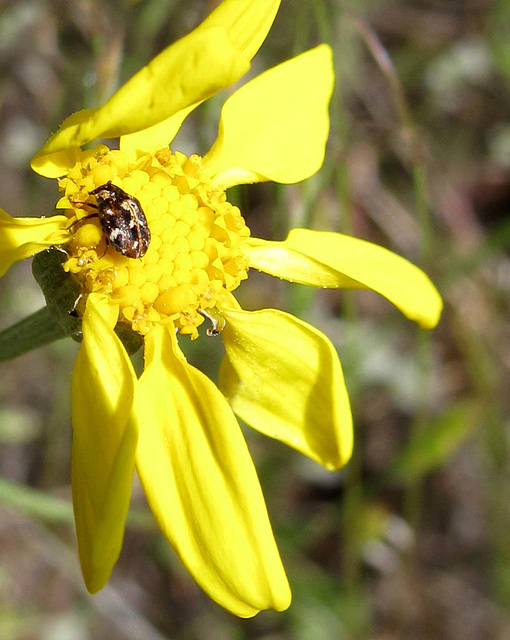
(123, 220)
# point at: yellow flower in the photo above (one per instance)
(280, 375)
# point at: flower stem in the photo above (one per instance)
(37, 330)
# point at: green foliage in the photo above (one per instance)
(60, 289)
(417, 160)
(433, 445)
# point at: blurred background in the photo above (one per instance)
(409, 541)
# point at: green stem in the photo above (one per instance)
(414, 497)
(421, 198)
(32, 332)
(486, 379)
(414, 490)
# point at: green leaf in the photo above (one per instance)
(432, 446)
(54, 509)
(498, 35)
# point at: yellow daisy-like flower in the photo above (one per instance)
(280, 375)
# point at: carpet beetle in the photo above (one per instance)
(123, 220)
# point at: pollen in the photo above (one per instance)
(197, 238)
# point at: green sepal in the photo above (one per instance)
(57, 320)
(61, 289)
(131, 340)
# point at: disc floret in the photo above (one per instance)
(196, 252)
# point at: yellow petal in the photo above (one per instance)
(202, 486)
(276, 126)
(283, 378)
(156, 137)
(185, 73)
(104, 442)
(21, 238)
(247, 23)
(326, 259)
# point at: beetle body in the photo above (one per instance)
(122, 220)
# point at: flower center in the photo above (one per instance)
(195, 253)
